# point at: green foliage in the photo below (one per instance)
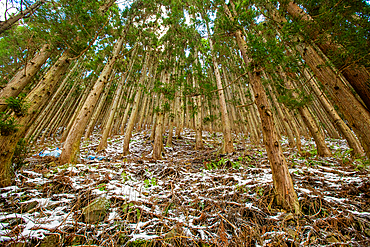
(222, 164)
(17, 46)
(102, 187)
(18, 104)
(150, 182)
(125, 177)
(313, 152)
(294, 102)
(21, 152)
(7, 124)
(209, 119)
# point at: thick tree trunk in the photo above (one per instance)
(353, 143)
(36, 99)
(179, 113)
(158, 138)
(24, 76)
(283, 184)
(354, 112)
(71, 146)
(108, 126)
(51, 104)
(97, 111)
(356, 75)
(135, 107)
(80, 101)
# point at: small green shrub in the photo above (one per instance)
(7, 124)
(18, 104)
(21, 152)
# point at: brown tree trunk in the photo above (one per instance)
(198, 112)
(283, 118)
(97, 111)
(71, 146)
(356, 75)
(354, 112)
(51, 104)
(15, 86)
(322, 148)
(228, 146)
(36, 99)
(108, 126)
(158, 138)
(353, 143)
(283, 184)
(79, 104)
(135, 107)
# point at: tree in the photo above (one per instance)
(283, 184)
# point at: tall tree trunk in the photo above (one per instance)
(135, 107)
(354, 112)
(112, 112)
(322, 148)
(282, 116)
(24, 76)
(353, 143)
(158, 138)
(51, 104)
(356, 75)
(283, 184)
(80, 102)
(36, 99)
(198, 112)
(71, 146)
(228, 146)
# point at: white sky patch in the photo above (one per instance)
(3, 7)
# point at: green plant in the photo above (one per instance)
(18, 104)
(148, 183)
(236, 165)
(7, 124)
(125, 177)
(21, 152)
(260, 191)
(313, 152)
(102, 187)
(361, 163)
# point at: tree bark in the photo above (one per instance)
(354, 112)
(112, 112)
(283, 185)
(352, 141)
(71, 146)
(15, 86)
(135, 107)
(36, 99)
(356, 75)
(228, 146)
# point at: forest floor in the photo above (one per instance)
(190, 198)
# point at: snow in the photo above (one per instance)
(149, 200)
